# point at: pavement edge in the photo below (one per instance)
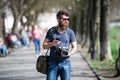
(97, 74)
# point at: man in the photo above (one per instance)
(60, 49)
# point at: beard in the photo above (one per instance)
(63, 26)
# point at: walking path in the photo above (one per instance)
(20, 65)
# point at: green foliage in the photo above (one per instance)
(115, 41)
(97, 64)
(114, 44)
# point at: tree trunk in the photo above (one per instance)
(92, 29)
(1, 23)
(17, 11)
(105, 52)
(77, 29)
(87, 26)
(15, 24)
(82, 26)
(97, 25)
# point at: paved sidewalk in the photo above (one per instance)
(20, 65)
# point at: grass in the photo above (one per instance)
(107, 67)
(115, 41)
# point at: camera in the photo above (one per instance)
(63, 50)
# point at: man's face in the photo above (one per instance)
(63, 22)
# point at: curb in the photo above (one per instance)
(97, 74)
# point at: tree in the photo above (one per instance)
(2, 18)
(94, 27)
(105, 51)
(17, 8)
(21, 8)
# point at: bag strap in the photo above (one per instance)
(46, 52)
(52, 30)
(51, 34)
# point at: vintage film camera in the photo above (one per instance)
(63, 50)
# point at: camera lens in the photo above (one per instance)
(65, 52)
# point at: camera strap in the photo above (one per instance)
(66, 35)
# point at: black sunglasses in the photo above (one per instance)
(66, 19)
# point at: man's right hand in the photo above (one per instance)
(55, 42)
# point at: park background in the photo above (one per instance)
(95, 22)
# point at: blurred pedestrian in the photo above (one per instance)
(15, 41)
(3, 48)
(29, 33)
(36, 34)
(9, 41)
(24, 40)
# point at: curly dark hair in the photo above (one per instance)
(60, 13)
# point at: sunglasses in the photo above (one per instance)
(65, 19)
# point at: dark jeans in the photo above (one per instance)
(59, 68)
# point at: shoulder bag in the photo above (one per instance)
(42, 63)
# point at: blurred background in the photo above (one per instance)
(95, 22)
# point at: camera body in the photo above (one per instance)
(63, 50)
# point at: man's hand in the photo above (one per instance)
(47, 44)
(55, 42)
